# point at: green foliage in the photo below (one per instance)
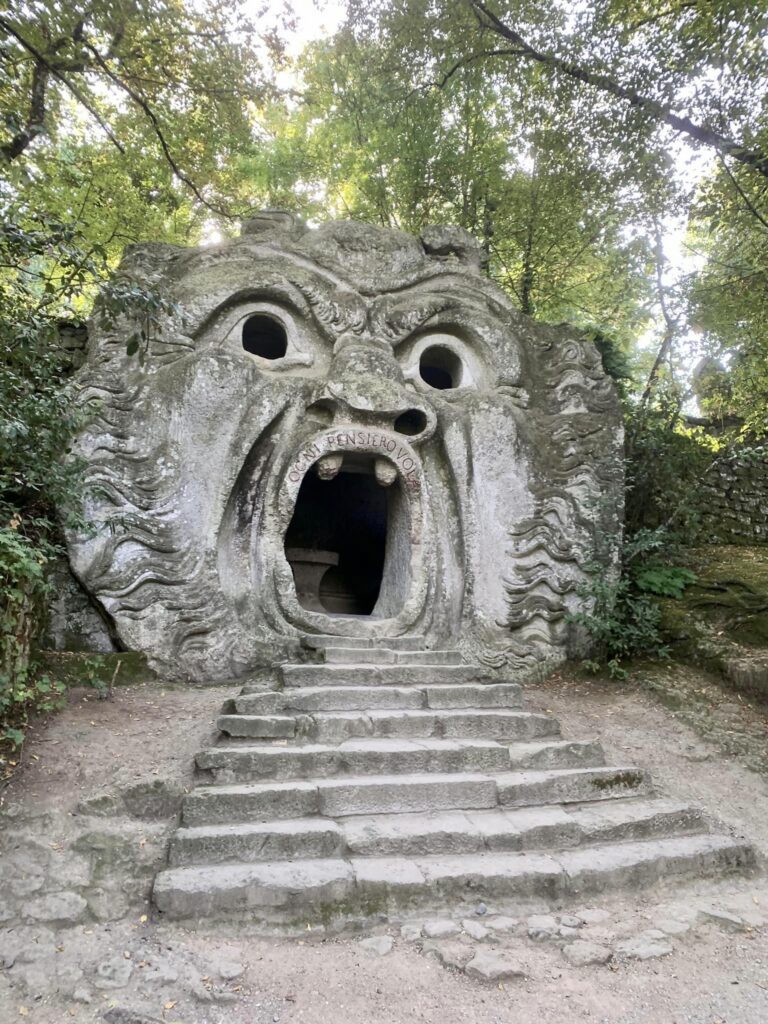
(665, 463)
(621, 617)
(49, 269)
(663, 580)
(24, 591)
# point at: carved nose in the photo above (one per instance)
(366, 385)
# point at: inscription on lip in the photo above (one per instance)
(368, 439)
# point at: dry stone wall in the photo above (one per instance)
(733, 501)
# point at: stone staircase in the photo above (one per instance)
(388, 777)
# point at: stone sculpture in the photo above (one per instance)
(348, 431)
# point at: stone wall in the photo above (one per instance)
(733, 501)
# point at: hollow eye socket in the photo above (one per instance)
(411, 422)
(440, 367)
(264, 336)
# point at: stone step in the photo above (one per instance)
(356, 757)
(237, 763)
(388, 656)
(382, 675)
(336, 726)
(362, 698)
(577, 785)
(399, 794)
(319, 641)
(448, 832)
(326, 888)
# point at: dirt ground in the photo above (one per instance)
(715, 973)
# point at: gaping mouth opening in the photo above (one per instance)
(348, 539)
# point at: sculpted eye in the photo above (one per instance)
(264, 336)
(441, 368)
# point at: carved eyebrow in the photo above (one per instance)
(398, 325)
(278, 292)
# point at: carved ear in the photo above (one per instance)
(449, 242)
(273, 223)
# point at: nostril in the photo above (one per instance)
(411, 422)
(321, 412)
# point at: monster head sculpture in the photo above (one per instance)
(344, 430)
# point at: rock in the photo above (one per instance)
(6, 913)
(229, 970)
(379, 945)
(488, 965)
(71, 871)
(568, 933)
(448, 954)
(107, 904)
(440, 928)
(499, 923)
(82, 995)
(542, 927)
(570, 921)
(723, 918)
(481, 909)
(592, 916)
(475, 930)
(113, 973)
(668, 926)
(153, 800)
(449, 241)
(103, 805)
(56, 908)
(581, 953)
(120, 1015)
(410, 932)
(644, 947)
(161, 972)
(68, 975)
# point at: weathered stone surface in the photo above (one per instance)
(410, 932)
(501, 923)
(441, 928)
(582, 953)
(450, 954)
(488, 965)
(723, 918)
(153, 800)
(644, 947)
(671, 926)
(592, 915)
(121, 1015)
(379, 945)
(542, 927)
(102, 805)
(56, 908)
(113, 973)
(106, 904)
(475, 930)
(297, 355)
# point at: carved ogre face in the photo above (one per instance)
(347, 431)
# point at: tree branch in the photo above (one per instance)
(34, 125)
(464, 62)
(670, 327)
(744, 197)
(753, 158)
(42, 61)
(152, 118)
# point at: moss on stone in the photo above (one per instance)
(120, 668)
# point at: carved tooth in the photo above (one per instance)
(385, 472)
(329, 466)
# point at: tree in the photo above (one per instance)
(119, 122)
